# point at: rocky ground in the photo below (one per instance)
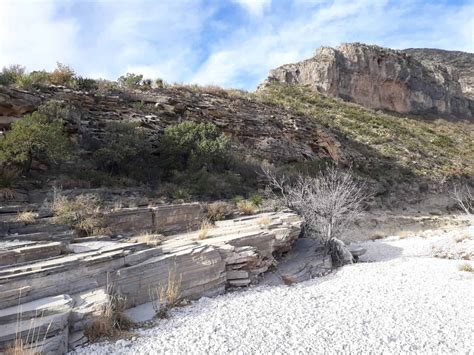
(405, 296)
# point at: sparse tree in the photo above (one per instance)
(328, 203)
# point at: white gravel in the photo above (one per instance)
(404, 302)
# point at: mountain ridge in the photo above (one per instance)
(381, 78)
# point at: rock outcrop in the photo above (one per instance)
(268, 131)
(380, 78)
(14, 103)
(461, 62)
(57, 288)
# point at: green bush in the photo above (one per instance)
(34, 137)
(125, 149)
(193, 146)
(85, 84)
(256, 200)
(130, 80)
(34, 79)
(10, 75)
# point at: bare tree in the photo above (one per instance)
(464, 198)
(328, 203)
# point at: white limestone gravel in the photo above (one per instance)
(403, 301)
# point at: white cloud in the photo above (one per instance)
(30, 35)
(254, 7)
(185, 41)
(251, 54)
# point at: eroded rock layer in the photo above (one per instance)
(57, 288)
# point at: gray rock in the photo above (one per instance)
(379, 78)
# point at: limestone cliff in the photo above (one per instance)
(380, 78)
(461, 62)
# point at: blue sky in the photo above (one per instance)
(232, 43)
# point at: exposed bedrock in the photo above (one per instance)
(61, 286)
(380, 78)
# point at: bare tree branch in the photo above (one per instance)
(328, 203)
(464, 198)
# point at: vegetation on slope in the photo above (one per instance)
(392, 146)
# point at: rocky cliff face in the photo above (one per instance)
(461, 62)
(380, 78)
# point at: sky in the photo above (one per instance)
(230, 43)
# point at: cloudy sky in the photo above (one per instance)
(232, 43)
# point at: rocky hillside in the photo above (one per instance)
(461, 62)
(289, 126)
(380, 78)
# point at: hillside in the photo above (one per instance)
(392, 148)
(289, 126)
(461, 62)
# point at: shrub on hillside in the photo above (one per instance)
(34, 137)
(10, 75)
(62, 75)
(125, 148)
(34, 79)
(85, 84)
(130, 80)
(193, 146)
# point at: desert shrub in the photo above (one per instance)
(246, 207)
(204, 229)
(146, 84)
(62, 75)
(26, 217)
(111, 321)
(256, 199)
(34, 79)
(159, 83)
(34, 137)
(165, 297)
(85, 84)
(213, 185)
(106, 86)
(180, 193)
(125, 149)
(10, 75)
(218, 211)
(264, 221)
(130, 80)
(192, 146)
(81, 212)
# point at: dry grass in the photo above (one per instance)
(264, 221)
(112, 321)
(164, 298)
(218, 211)
(246, 207)
(204, 229)
(33, 343)
(147, 238)
(26, 217)
(466, 267)
(81, 212)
